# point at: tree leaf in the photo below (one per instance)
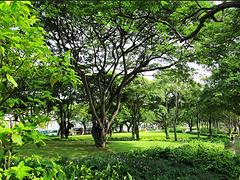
(21, 170)
(164, 3)
(11, 80)
(16, 138)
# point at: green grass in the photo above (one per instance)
(77, 149)
(155, 136)
(83, 145)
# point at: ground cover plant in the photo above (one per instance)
(151, 159)
(195, 160)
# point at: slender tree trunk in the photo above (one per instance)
(210, 125)
(176, 117)
(68, 124)
(198, 132)
(62, 123)
(198, 125)
(137, 130)
(175, 131)
(166, 130)
(190, 125)
(84, 128)
(121, 128)
(229, 126)
(137, 133)
(134, 128)
(166, 119)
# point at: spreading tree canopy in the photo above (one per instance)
(113, 41)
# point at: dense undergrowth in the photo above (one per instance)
(191, 161)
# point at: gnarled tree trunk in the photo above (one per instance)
(99, 135)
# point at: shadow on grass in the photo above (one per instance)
(74, 149)
(56, 149)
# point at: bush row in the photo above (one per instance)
(223, 163)
(192, 161)
(37, 168)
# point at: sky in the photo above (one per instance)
(200, 73)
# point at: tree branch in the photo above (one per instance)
(210, 14)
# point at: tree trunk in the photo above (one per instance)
(133, 131)
(62, 123)
(166, 118)
(110, 132)
(84, 128)
(176, 117)
(62, 130)
(68, 127)
(128, 127)
(190, 125)
(166, 130)
(121, 128)
(137, 130)
(210, 125)
(137, 133)
(198, 131)
(134, 127)
(99, 135)
(229, 126)
(198, 125)
(68, 124)
(175, 131)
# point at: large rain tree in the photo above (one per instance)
(113, 41)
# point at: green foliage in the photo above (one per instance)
(203, 157)
(38, 168)
(29, 168)
(20, 171)
(28, 69)
(34, 168)
(10, 138)
(19, 135)
(192, 161)
(189, 160)
(10, 79)
(95, 168)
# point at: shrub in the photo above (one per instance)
(201, 156)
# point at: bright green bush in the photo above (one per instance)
(34, 168)
(94, 168)
(38, 168)
(196, 160)
(202, 156)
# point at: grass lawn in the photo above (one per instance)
(83, 145)
(155, 136)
